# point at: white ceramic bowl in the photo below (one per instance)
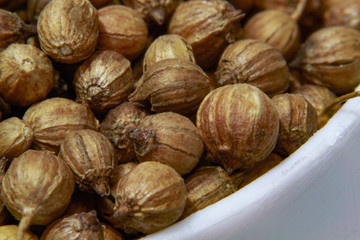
(312, 195)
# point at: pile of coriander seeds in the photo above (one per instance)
(121, 118)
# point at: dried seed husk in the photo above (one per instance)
(90, 156)
(34, 41)
(13, 29)
(298, 122)
(15, 138)
(81, 202)
(175, 85)
(331, 109)
(154, 12)
(4, 214)
(8, 232)
(169, 138)
(68, 30)
(319, 97)
(208, 26)
(103, 81)
(310, 16)
(256, 63)
(244, 5)
(3, 166)
(276, 28)
(238, 124)
(341, 13)
(26, 75)
(121, 171)
(167, 46)
(206, 185)
(106, 205)
(53, 118)
(212, 78)
(284, 5)
(117, 125)
(37, 188)
(101, 3)
(34, 7)
(238, 177)
(21, 12)
(295, 80)
(110, 233)
(75, 227)
(151, 197)
(330, 57)
(129, 38)
(288, 6)
(260, 169)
